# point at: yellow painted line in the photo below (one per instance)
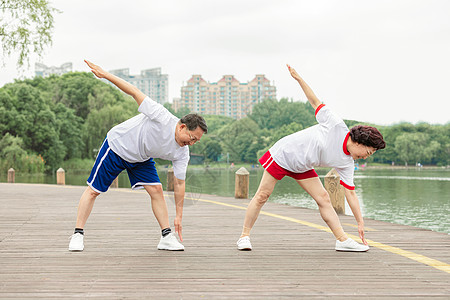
(414, 256)
(306, 223)
(356, 226)
(408, 254)
(395, 250)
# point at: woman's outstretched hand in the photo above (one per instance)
(294, 73)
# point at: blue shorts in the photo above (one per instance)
(108, 166)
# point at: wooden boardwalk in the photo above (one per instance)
(293, 256)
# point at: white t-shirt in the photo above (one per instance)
(150, 134)
(322, 145)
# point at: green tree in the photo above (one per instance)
(31, 118)
(215, 122)
(430, 151)
(169, 107)
(62, 117)
(390, 134)
(241, 139)
(11, 151)
(182, 112)
(44, 138)
(213, 150)
(411, 147)
(70, 128)
(25, 25)
(270, 137)
(440, 134)
(8, 112)
(99, 122)
(83, 93)
(12, 155)
(272, 114)
(285, 130)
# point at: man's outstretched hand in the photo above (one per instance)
(96, 69)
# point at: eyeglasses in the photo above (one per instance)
(369, 153)
(193, 138)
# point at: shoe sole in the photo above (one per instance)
(76, 250)
(245, 249)
(351, 250)
(171, 249)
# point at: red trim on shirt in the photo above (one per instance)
(347, 186)
(318, 108)
(344, 146)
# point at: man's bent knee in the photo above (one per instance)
(91, 192)
(154, 190)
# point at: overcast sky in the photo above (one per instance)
(375, 61)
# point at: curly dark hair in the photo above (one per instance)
(192, 121)
(368, 136)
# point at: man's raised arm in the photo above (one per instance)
(126, 87)
(313, 100)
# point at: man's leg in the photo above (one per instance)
(168, 240)
(314, 187)
(85, 206)
(159, 205)
(106, 168)
(265, 189)
(84, 210)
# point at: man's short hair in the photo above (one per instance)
(192, 121)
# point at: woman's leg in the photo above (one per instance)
(265, 189)
(314, 187)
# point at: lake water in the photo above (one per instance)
(417, 197)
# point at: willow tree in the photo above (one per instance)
(25, 26)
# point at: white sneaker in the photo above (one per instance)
(244, 243)
(170, 242)
(350, 245)
(76, 242)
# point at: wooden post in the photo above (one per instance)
(11, 175)
(336, 191)
(115, 183)
(170, 180)
(241, 183)
(61, 176)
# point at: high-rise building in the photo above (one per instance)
(41, 70)
(151, 82)
(227, 97)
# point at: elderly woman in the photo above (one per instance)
(327, 144)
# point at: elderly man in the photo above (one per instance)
(131, 146)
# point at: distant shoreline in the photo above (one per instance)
(369, 167)
(236, 167)
(398, 167)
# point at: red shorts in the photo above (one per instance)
(278, 172)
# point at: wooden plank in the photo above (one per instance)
(120, 260)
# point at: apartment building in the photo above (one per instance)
(41, 70)
(227, 97)
(151, 82)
